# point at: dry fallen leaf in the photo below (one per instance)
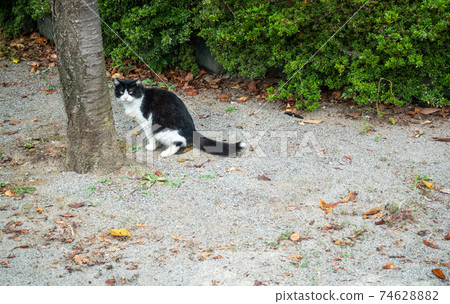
(373, 211)
(110, 281)
(428, 111)
(243, 98)
(312, 121)
(439, 273)
(80, 260)
(429, 244)
(67, 214)
(446, 191)
(263, 177)
(217, 257)
(447, 237)
(9, 193)
(191, 91)
(39, 210)
(135, 133)
(389, 266)
(178, 238)
(223, 96)
(14, 122)
(295, 257)
(233, 169)
(295, 236)
(188, 148)
(120, 232)
(428, 184)
(350, 197)
(76, 205)
(206, 254)
(323, 205)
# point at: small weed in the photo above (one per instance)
(346, 255)
(22, 190)
(208, 175)
(90, 188)
(149, 179)
(418, 179)
(377, 139)
(229, 110)
(282, 237)
(135, 148)
(104, 181)
(28, 145)
(383, 158)
(3, 184)
(392, 120)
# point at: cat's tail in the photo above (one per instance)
(217, 147)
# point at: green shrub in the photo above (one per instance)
(16, 15)
(158, 31)
(404, 42)
(391, 51)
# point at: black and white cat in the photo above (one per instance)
(165, 119)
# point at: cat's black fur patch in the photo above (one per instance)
(169, 112)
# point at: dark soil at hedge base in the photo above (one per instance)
(225, 227)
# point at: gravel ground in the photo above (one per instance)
(209, 224)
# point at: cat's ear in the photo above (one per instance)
(116, 82)
(138, 82)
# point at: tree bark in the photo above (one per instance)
(92, 140)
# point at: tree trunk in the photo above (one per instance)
(92, 140)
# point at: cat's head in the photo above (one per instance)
(128, 90)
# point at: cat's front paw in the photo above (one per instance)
(151, 146)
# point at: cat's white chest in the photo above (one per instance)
(133, 110)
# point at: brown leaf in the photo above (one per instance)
(233, 169)
(217, 257)
(373, 211)
(206, 254)
(447, 237)
(441, 139)
(39, 210)
(312, 121)
(134, 267)
(189, 77)
(9, 193)
(429, 244)
(295, 236)
(67, 214)
(252, 85)
(354, 114)
(243, 99)
(223, 96)
(80, 259)
(110, 282)
(21, 246)
(352, 195)
(191, 91)
(76, 205)
(389, 266)
(263, 178)
(14, 122)
(47, 91)
(439, 273)
(11, 132)
(428, 111)
(323, 205)
(295, 257)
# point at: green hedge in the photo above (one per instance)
(391, 51)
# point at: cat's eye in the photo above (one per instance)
(131, 92)
(121, 92)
